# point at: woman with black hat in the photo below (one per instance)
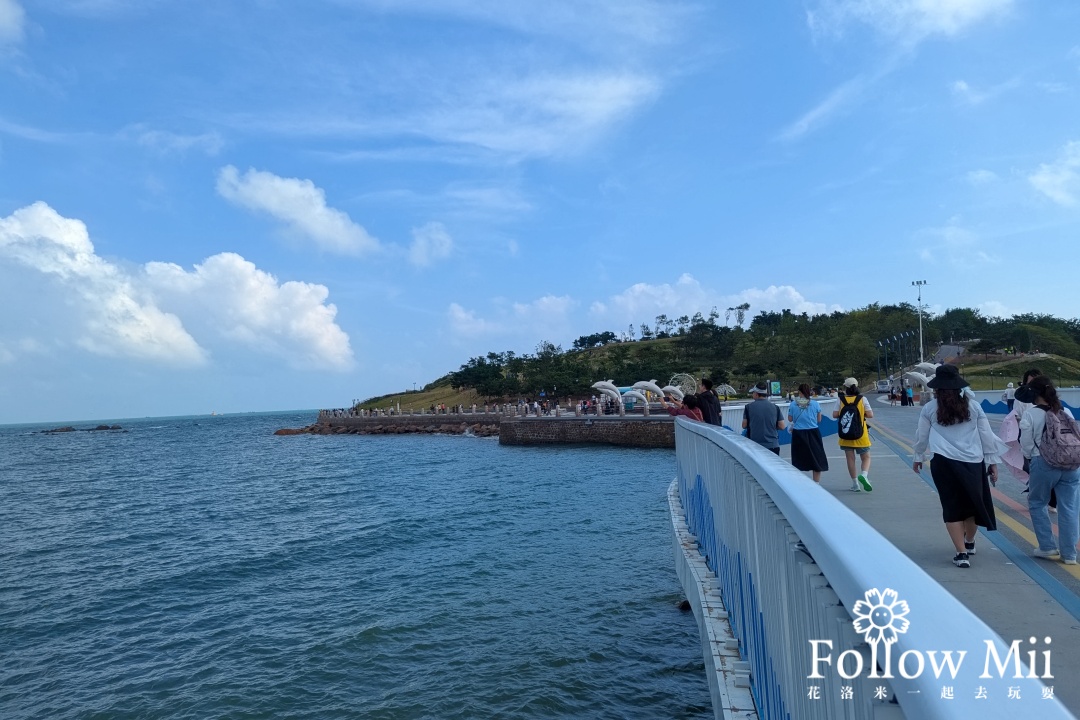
(965, 453)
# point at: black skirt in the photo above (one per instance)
(807, 452)
(964, 489)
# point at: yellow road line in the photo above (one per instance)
(1012, 523)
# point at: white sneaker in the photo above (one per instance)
(1046, 554)
(855, 486)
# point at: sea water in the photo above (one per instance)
(201, 567)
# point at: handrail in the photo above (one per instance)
(781, 546)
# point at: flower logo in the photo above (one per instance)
(881, 616)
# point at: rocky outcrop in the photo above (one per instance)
(69, 428)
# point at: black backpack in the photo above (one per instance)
(850, 419)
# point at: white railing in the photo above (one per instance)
(791, 561)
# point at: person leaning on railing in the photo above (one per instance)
(687, 408)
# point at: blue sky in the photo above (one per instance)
(252, 205)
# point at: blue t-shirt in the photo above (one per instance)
(804, 419)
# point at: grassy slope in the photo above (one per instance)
(977, 369)
(438, 392)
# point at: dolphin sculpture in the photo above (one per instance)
(916, 377)
(649, 385)
(673, 392)
(612, 394)
(606, 385)
(926, 368)
(636, 395)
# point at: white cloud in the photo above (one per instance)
(1053, 88)
(840, 98)
(908, 20)
(300, 205)
(167, 142)
(12, 18)
(27, 132)
(536, 114)
(642, 302)
(547, 317)
(964, 93)
(230, 296)
(487, 200)
(995, 308)
(1060, 180)
(506, 114)
(779, 297)
(981, 177)
(513, 80)
(553, 317)
(152, 313)
(465, 323)
(430, 243)
(955, 245)
(600, 24)
(118, 319)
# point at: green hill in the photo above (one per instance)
(820, 350)
(992, 372)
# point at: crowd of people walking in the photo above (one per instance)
(1039, 442)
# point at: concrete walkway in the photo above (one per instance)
(1016, 595)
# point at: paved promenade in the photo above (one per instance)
(1018, 596)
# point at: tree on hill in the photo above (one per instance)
(784, 345)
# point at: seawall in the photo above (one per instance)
(647, 432)
(626, 431)
(481, 425)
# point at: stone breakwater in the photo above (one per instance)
(643, 432)
(639, 432)
(479, 425)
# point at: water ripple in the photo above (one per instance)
(200, 568)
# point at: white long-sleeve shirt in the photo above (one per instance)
(971, 441)
(1032, 425)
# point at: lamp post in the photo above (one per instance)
(919, 284)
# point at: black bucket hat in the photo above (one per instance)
(1025, 394)
(947, 377)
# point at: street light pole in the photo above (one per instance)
(919, 284)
